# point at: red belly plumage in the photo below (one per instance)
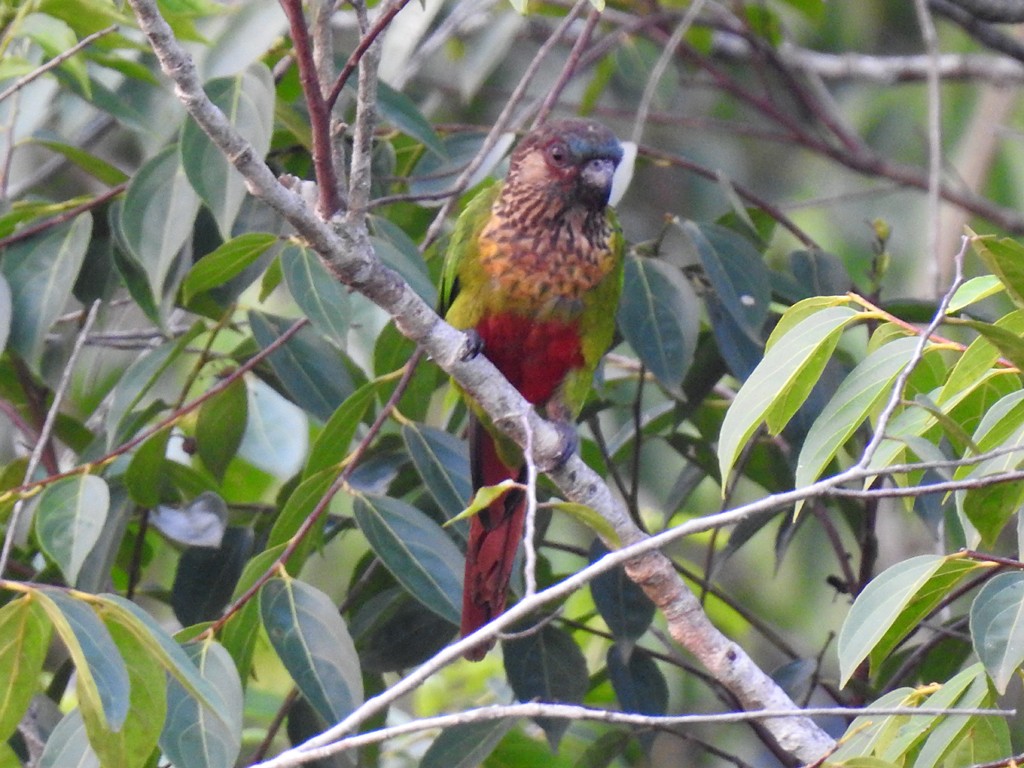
(534, 355)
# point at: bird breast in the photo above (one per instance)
(553, 264)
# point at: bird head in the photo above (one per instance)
(574, 160)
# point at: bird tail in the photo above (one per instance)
(494, 536)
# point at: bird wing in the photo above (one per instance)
(463, 243)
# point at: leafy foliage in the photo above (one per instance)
(204, 430)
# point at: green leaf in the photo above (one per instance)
(69, 520)
(394, 631)
(276, 437)
(206, 577)
(409, 264)
(978, 358)
(639, 684)
(314, 645)
(24, 640)
(589, 516)
(400, 111)
(990, 508)
(967, 690)
(40, 272)
(869, 733)
(442, 463)
(137, 382)
(317, 292)
(332, 444)
(145, 475)
(416, 551)
(242, 628)
(55, 37)
(780, 382)
(247, 100)
(737, 273)
(223, 263)
(297, 509)
(1009, 344)
(163, 649)
(68, 745)
(101, 675)
(997, 627)
(220, 425)
(623, 605)
(94, 166)
(157, 216)
(893, 603)
(485, 495)
(1005, 258)
(131, 745)
(310, 369)
(466, 745)
(860, 393)
(391, 352)
(659, 315)
(546, 665)
(195, 736)
(973, 291)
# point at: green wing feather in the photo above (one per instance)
(463, 246)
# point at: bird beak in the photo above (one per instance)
(596, 178)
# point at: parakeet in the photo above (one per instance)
(535, 269)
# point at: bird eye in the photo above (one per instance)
(558, 154)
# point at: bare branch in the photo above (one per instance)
(578, 713)
(881, 69)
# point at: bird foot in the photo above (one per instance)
(473, 345)
(570, 440)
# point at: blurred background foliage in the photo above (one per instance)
(783, 151)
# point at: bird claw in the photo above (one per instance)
(473, 346)
(570, 440)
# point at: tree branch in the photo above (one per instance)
(348, 253)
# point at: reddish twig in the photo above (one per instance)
(364, 43)
(34, 229)
(329, 201)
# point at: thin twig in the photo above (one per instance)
(569, 68)
(54, 221)
(47, 430)
(901, 380)
(361, 161)
(328, 202)
(658, 71)
(56, 61)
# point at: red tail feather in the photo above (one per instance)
(494, 536)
